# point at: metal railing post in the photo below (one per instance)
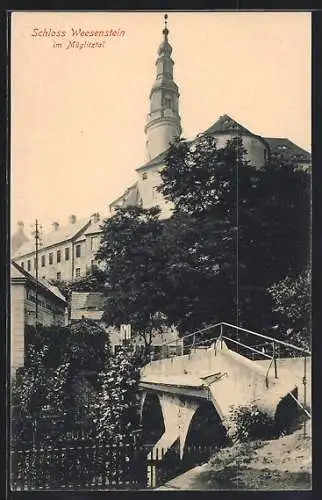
(275, 361)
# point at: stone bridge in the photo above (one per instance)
(204, 386)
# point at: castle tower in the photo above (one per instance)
(163, 121)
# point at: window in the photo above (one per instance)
(58, 256)
(66, 253)
(28, 265)
(58, 276)
(22, 265)
(43, 260)
(94, 243)
(167, 102)
(77, 272)
(51, 259)
(144, 176)
(78, 250)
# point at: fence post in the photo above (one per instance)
(151, 471)
(274, 360)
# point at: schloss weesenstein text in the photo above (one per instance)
(76, 38)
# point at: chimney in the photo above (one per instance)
(55, 226)
(72, 219)
(95, 217)
(20, 225)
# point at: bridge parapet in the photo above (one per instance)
(221, 375)
(230, 379)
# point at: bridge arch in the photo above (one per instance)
(205, 429)
(152, 421)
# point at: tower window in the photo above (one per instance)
(167, 102)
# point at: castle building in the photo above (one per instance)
(65, 253)
(68, 252)
(164, 125)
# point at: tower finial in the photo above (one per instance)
(165, 31)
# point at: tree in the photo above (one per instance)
(117, 402)
(134, 260)
(93, 281)
(61, 374)
(292, 305)
(236, 229)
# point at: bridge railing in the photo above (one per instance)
(248, 343)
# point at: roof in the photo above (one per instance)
(287, 149)
(226, 124)
(155, 161)
(131, 196)
(88, 305)
(64, 233)
(94, 228)
(18, 273)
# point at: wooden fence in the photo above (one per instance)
(164, 465)
(79, 467)
(111, 467)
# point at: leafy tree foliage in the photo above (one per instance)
(236, 229)
(134, 260)
(292, 305)
(117, 402)
(60, 362)
(93, 281)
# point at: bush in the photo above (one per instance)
(247, 423)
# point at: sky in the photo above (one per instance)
(78, 115)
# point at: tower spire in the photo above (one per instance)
(163, 121)
(165, 31)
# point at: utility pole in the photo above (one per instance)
(37, 236)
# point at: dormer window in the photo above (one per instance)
(144, 176)
(282, 146)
